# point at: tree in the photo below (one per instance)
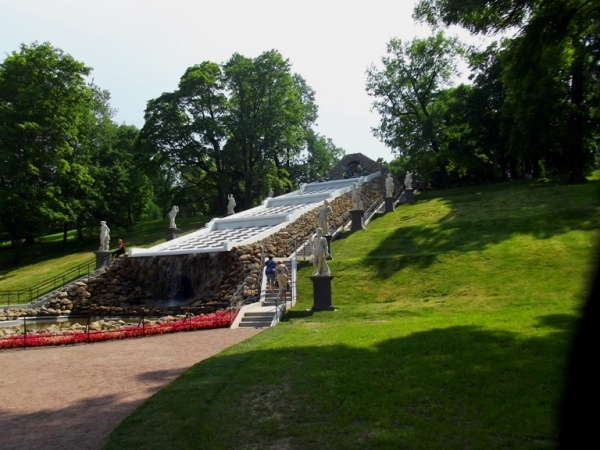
(551, 73)
(318, 157)
(405, 92)
(44, 105)
(236, 129)
(267, 119)
(467, 158)
(122, 188)
(488, 117)
(185, 131)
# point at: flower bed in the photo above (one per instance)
(220, 319)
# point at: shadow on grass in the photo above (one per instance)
(488, 215)
(377, 216)
(458, 387)
(294, 314)
(345, 235)
(562, 322)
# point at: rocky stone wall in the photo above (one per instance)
(368, 165)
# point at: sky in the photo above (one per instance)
(140, 49)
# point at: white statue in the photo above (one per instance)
(320, 254)
(172, 215)
(323, 217)
(271, 193)
(356, 196)
(389, 186)
(231, 204)
(408, 180)
(104, 236)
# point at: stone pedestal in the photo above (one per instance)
(329, 237)
(410, 198)
(357, 220)
(389, 204)
(172, 233)
(322, 293)
(102, 258)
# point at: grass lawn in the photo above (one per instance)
(46, 258)
(455, 316)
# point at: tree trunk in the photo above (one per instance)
(18, 254)
(222, 196)
(248, 182)
(65, 235)
(536, 169)
(445, 177)
(79, 231)
(129, 219)
(576, 150)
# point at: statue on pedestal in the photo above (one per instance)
(323, 217)
(231, 204)
(104, 236)
(319, 255)
(271, 193)
(408, 180)
(172, 215)
(356, 196)
(389, 186)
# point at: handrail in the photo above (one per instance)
(27, 295)
(374, 206)
(282, 305)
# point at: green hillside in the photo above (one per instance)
(454, 318)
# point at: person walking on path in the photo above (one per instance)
(282, 275)
(270, 266)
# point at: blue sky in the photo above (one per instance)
(140, 49)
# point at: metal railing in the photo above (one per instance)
(145, 326)
(28, 295)
(281, 303)
(374, 207)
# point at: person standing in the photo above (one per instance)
(281, 275)
(269, 266)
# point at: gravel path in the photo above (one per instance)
(74, 396)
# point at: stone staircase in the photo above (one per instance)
(263, 315)
(257, 319)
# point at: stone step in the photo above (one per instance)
(261, 322)
(273, 301)
(259, 314)
(254, 325)
(264, 321)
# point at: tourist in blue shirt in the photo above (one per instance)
(270, 272)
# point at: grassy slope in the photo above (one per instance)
(454, 319)
(47, 258)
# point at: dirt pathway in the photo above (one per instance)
(74, 396)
